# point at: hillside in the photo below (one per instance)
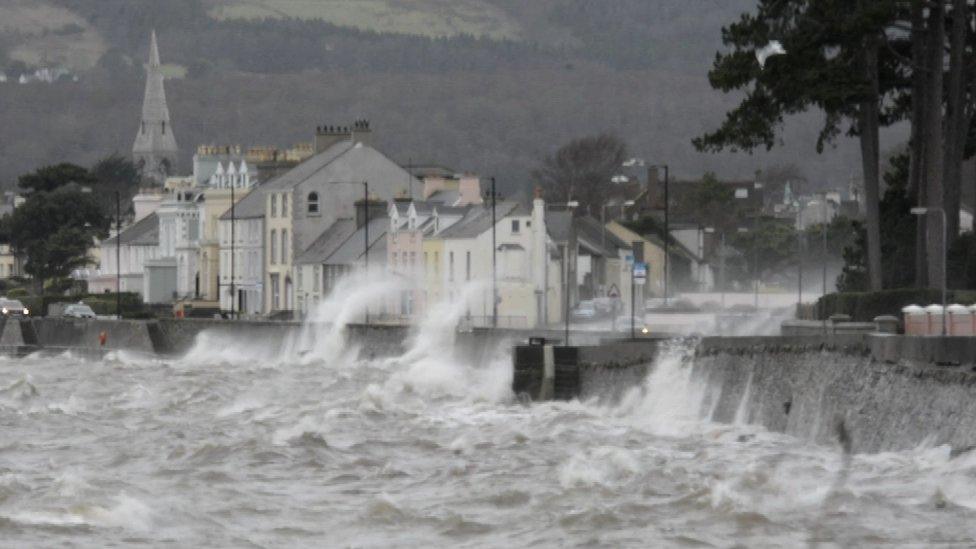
(470, 87)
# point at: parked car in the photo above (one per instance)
(13, 307)
(585, 311)
(78, 310)
(623, 325)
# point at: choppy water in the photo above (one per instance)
(229, 448)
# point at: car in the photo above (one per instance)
(13, 307)
(623, 325)
(584, 311)
(78, 310)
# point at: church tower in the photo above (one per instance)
(155, 147)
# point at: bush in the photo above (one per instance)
(102, 304)
(865, 306)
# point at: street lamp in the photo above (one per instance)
(603, 216)
(721, 256)
(365, 238)
(640, 162)
(570, 205)
(920, 211)
(494, 196)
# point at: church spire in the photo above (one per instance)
(155, 147)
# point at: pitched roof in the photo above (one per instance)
(351, 250)
(478, 220)
(603, 241)
(249, 207)
(558, 224)
(308, 168)
(144, 232)
(328, 242)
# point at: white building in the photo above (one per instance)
(528, 277)
(246, 222)
(140, 243)
(174, 274)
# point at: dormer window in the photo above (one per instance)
(313, 202)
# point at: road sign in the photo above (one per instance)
(640, 273)
(614, 292)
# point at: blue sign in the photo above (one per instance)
(640, 270)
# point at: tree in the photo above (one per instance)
(49, 178)
(54, 231)
(112, 174)
(581, 170)
(835, 62)
(709, 202)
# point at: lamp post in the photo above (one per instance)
(667, 208)
(366, 236)
(233, 266)
(823, 268)
(799, 260)
(493, 195)
(920, 211)
(118, 254)
(571, 205)
(721, 258)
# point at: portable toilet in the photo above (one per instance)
(916, 320)
(934, 313)
(960, 321)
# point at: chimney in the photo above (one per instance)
(327, 136)
(377, 210)
(362, 133)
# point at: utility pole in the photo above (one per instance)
(823, 232)
(667, 237)
(366, 236)
(233, 274)
(118, 254)
(494, 259)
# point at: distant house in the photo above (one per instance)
(139, 244)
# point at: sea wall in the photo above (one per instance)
(806, 393)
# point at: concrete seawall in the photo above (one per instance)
(890, 392)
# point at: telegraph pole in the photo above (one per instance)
(366, 235)
(233, 266)
(118, 254)
(494, 259)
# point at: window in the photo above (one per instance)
(164, 127)
(450, 267)
(515, 226)
(274, 246)
(274, 205)
(316, 279)
(467, 266)
(284, 205)
(284, 244)
(313, 203)
(426, 263)
(437, 262)
(394, 262)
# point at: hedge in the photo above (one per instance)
(102, 304)
(865, 306)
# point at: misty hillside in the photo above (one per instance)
(482, 85)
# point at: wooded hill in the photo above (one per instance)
(572, 68)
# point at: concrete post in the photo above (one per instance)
(886, 324)
(548, 389)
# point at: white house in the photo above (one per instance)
(140, 243)
(528, 277)
(248, 252)
(174, 274)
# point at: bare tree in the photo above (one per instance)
(581, 171)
